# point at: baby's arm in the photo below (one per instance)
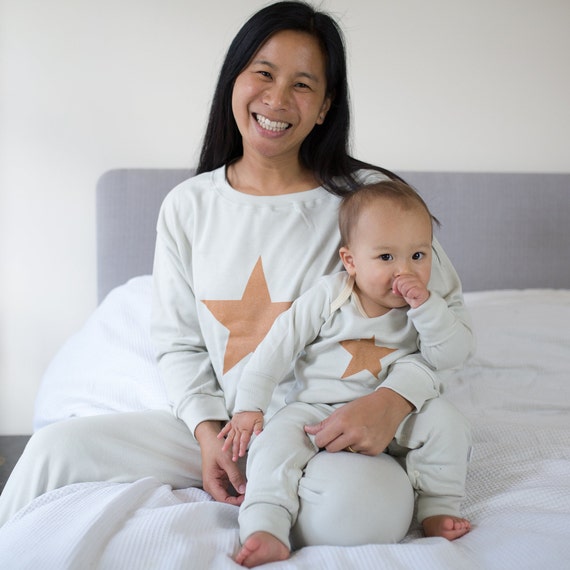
(443, 323)
(238, 432)
(445, 341)
(413, 291)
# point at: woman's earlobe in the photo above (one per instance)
(324, 110)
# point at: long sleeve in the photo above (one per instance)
(446, 337)
(289, 335)
(183, 360)
(444, 340)
(413, 379)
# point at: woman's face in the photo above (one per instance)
(281, 95)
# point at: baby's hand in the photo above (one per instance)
(238, 432)
(414, 292)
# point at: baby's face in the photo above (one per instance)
(388, 241)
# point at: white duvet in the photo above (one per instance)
(515, 390)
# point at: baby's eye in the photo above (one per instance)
(386, 257)
(418, 255)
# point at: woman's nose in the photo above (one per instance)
(275, 97)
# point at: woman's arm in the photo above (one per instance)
(183, 360)
(367, 424)
(184, 363)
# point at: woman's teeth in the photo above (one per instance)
(271, 125)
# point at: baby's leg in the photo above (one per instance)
(446, 526)
(274, 467)
(439, 443)
(261, 548)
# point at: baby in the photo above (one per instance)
(375, 326)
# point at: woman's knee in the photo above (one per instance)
(350, 499)
(55, 438)
(66, 441)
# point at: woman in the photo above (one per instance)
(235, 246)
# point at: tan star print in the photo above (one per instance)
(248, 319)
(365, 356)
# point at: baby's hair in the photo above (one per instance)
(352, 204)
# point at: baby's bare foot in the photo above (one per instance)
(261, 548)
(446, 526)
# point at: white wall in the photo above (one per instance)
(87, 86)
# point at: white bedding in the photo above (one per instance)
(516, 391)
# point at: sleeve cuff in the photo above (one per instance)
(202, 409)
(413, 381)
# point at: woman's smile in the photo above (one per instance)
(269, 125)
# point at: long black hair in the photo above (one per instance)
(325, 150)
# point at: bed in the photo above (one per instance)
(508, 236)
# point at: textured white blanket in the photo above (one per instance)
(516, 391)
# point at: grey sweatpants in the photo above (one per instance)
(435, 443)
(128, 446)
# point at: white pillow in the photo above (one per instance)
(511, 325)
(522, 361)
(109, 365)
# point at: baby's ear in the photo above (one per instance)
(347, 260)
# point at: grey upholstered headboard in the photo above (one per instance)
(128, 201)
(500, 230)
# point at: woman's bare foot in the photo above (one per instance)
(261, 548)
(446, 526)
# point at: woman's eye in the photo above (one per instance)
(386, 257)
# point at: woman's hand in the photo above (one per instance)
(367, 425)
(219, 472)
